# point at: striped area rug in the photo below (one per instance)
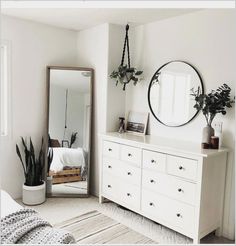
(96, 228)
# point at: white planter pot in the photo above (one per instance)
(34, 195)
(49, 185)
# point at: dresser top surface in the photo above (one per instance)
(163, 144)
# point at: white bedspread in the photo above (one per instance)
(8, 205)
(67, 157)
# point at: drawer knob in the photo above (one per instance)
(129, 173)
(110, 149)
(109, 166)
(152, 180)
(153, 161)
(109, 186)
(129, 154)
(180, 190)
(151, 204)
(181, 168)
(178, 215)
(128, 194)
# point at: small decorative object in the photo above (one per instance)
(218, 126)
(137, 123)
(65, 143)
(205, 146)
(73, 138)
(211, 104)
(121, 125)
(124, 74)
(214, 142)
(34, 186)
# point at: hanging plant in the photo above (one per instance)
(124, 74)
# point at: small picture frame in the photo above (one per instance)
(65, 143)
(137, 123)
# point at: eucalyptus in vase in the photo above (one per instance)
(217, 101)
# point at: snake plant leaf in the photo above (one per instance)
(32, 150)
(73, 138)
(33, 167)
(19, 155)
(26, 151)
(50, 158)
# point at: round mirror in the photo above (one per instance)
(170, 93)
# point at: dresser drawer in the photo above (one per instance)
(175, 213)
(154, 181)
(131, 154)
(122, 170)
(109, 185)
(169, 186)
(130, 195)
(111, 149)
(130, 173)
(122, 192)
(182, 167)
(181, 190)
(154, 160)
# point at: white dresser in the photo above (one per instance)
(171, 182)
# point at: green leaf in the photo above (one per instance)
(138, 73)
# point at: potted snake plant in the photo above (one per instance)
(33, 166)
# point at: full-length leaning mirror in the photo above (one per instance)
(170, 93)
(69, 130)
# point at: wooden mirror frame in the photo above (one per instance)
(48, 68)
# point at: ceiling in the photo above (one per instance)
(83, 18)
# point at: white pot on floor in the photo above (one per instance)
(34, 195)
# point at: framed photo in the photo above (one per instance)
(137, 123)
(65, 143)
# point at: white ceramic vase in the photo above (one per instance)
(207, 133)
(34, 195)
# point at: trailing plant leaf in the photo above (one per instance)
(138, 73)
(124, 75)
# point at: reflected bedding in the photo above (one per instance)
(66, 157)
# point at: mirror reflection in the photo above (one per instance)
(69, 131)
(170, 90)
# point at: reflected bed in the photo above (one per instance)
(68, 165)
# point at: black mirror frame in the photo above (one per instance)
(150, 85)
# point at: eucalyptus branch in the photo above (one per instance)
(217, 101)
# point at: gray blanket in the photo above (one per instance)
(26, 227)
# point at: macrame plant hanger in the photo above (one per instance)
(126, 44)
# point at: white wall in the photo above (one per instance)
(76, 110)
(115, 94)
(33, 47)
(100, 48)
(92, 51)
(75, 114)
(206, 39)
(57, 106)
